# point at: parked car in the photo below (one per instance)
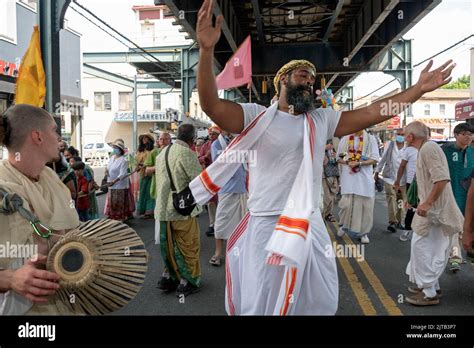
(96, 149)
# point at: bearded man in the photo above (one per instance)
(277, 257)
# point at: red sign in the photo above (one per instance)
(9, 69)
(394, 123)
(465, 110)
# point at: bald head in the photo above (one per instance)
(418, 130)
(22, 119)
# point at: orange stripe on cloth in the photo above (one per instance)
(301, 234)
(208, 184)
(289, 291)
(301, 224)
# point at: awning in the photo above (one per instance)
(464, 110)
(433, 122)
(392, 123)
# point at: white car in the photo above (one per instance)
(96, 149)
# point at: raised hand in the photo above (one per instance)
(431, 80)
(207, 34)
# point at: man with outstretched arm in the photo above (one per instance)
(279, 258)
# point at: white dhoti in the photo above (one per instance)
(230, 211)
(428, 258)
(357, 213)
(253, 286)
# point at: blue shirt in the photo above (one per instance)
(236, 184)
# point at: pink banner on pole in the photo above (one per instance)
(238, 69)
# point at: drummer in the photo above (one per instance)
(29, 134)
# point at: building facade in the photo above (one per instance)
(17, 19)
(435, 109)
(109, 113)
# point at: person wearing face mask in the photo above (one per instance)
(119, 205)
(388, 166)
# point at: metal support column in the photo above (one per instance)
(50, 20)
(189, 61)
(135, 115)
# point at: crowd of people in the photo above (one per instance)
(276, 256)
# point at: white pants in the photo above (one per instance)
(428, 258)
(230, 211)
(253, 286)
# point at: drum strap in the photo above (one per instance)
(12, 203)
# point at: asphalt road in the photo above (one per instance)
(372, 285)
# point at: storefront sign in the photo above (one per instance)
(8, 68)
(159, 116)
(465, 110)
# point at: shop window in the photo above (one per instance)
(8, 21)
(125, 101)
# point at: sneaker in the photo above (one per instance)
(215, 261)
(365, 239)
(420, 299)
(454, 266)
(392, 227)
(187, 289)
(341, 232)
(210, 231)
(167, 284)
(404, 236)
(399, 226)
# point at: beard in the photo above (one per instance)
(297, 98)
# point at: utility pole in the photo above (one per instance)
(135, 115)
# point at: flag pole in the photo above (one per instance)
(250, 93)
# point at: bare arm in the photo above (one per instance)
(355, 120)
(226, 114)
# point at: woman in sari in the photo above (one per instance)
(119, 205)
(146, 204)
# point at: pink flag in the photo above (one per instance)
(238, 69)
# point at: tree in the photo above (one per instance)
(464, 82)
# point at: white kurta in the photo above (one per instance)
(253, 286)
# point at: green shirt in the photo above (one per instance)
(150, 162)
(184, 167)
(461, 164)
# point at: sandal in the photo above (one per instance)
(330, 218)
(215, 261)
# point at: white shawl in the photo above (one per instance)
(289, 240)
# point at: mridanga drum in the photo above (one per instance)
(102, 265)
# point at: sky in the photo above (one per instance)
(449, 22)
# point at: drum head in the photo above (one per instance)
(102, 265)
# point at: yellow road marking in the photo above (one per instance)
(375, 282)
(362, 298)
